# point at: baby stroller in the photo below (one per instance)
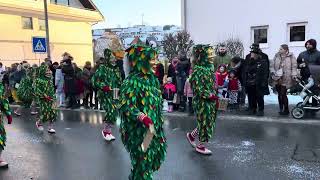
(309, 94)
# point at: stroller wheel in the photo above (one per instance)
(299, 104)
(298, 112)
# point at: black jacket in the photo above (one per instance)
(69, 78)
(256, 72)
(312, 58)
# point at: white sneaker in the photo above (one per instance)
(39, 126)
(34, 112)
(51, 131)
(4, 164)
(107, 136)
(17, 113)
(203, 150)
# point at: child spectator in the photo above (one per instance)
(189, 94)
(169, 91)
(221, 80)
(234, 87)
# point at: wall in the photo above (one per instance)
(211, 21)
(73, 37)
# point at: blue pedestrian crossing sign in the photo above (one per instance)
(39, 45)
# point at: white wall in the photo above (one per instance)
(212, 21)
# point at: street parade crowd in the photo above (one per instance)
(196, 84)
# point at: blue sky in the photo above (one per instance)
(126, 13)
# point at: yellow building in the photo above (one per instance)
(70, 23)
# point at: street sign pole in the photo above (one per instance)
(47, 28)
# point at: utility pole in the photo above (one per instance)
(47, 28)
(142, 19)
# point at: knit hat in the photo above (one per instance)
(255, 48)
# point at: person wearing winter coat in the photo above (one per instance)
(312, 57)
(221, 80)
(234, 87)
(69, 80)
(59, 84)
(88, 91)
(283, 71)
(189, 94)
(169, 91)
(256, 80)
(237, 65)
(222, 57)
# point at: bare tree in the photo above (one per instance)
(184, 42)
(180, 43)
(170, 46)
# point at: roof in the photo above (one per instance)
(90, 5)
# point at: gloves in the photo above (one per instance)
(106, 89)
(9, 117)
(213, 98)
(48, 98)
(145, 120)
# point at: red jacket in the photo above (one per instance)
(233, 84)
(221, 78)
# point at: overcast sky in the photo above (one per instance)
(124, 13)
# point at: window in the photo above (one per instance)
(27, 23)
(297, 32)
(260, 34)
(60, 2)
(42, 25)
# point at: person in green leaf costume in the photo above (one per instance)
(44, 93)
(25, 90)
(5, 110)
(205, 98)
(141, 108)
(106, 80)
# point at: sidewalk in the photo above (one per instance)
(271, 115)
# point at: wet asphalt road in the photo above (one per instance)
(244, 148)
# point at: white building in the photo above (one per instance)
(270, 23)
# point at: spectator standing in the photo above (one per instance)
(69, 80)
(183, 69)
(222, 57)
(256, 80)
(59, 84)
(312, 57)
(283, 70)
(234, 87)
(189, 94)
(169, 91)
(88, 91)
(172, 72)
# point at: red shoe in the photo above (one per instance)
(191, 140)
(203, 150)
(107, 136)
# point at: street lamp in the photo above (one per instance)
(47, 28)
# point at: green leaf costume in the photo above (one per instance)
(107, 75)
(25, 90)
(5, 110)
(43, 87)
(140, 93)
(203, 82)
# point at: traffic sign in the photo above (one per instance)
(39, 45)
